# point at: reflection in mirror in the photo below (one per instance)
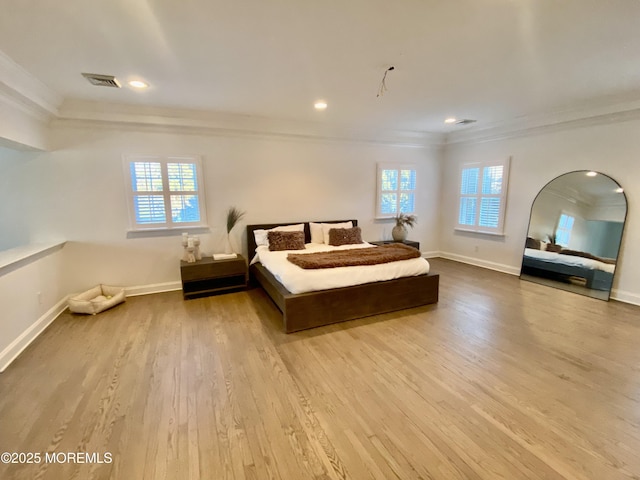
(575, 231)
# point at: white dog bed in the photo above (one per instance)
(97, 299)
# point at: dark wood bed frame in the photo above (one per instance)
(307, 310)
(595, 279)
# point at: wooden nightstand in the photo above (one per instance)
(209, 276)
(406, 242)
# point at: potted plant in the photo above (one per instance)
(403, 220)
(234, 215)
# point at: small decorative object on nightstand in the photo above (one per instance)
(406, 242)
(191, 246)
(403, 220)
(208, 276)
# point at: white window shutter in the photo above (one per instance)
(165, 192)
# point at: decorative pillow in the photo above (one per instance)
(261, 235)
(285, 241)
(345, 236)
(552, 247)
(533, 243)
(316, 232)
(328, 226)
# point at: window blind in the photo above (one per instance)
(482, 196)
(396, 190)
(164, 192)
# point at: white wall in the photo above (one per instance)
(19, 129)
(612, 149)
(82, 198)
(32, 295)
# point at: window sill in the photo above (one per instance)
(167, 232)
(482, 232)
(18, 257)
(392, 217)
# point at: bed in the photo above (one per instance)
(597, 275)
(301, 311)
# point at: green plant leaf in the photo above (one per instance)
(234, 215)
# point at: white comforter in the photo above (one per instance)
(300, 280)
(554, 257)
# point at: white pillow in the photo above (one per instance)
(316, 232)
(262, 236)
(328, 226)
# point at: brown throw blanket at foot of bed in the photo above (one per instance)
(390, 252)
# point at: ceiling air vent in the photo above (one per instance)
(465, 121)
(102, 80)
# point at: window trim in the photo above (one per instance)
(398, 167)
(475, 228)
(169, 225)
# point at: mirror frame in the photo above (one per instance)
(619, 246)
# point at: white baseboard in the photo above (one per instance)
(15, 348)
(434, 254)
(153, 288)
(626, 297)
(500, 267)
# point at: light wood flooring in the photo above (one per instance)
(502, 379)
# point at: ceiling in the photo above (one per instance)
(592, 190)
(489, 60)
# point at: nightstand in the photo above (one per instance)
(406, 242)
(209, 276)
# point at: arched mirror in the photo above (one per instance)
(575, 231)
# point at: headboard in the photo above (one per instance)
(251, 240)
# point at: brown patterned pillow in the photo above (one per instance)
(345, 236)
(285, 241)
(552, 247)
(532, 243)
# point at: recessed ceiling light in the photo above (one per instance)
(138, 84)
(320, 105)
(462, 121)
(591, 174)
(619, 190)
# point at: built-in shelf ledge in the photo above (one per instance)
(18, 257)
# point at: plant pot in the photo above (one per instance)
(399, 233)
(227, 245)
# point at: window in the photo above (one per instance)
(483, 196)
(563, 232)
(396, 190)
(165, 192)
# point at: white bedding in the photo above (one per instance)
(568, 260)
(299, 280)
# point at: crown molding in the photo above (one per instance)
(598, 112)
(81, 113)
(19, 88)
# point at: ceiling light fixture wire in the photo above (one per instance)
(383, 83)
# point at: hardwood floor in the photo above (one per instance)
(502, 379)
